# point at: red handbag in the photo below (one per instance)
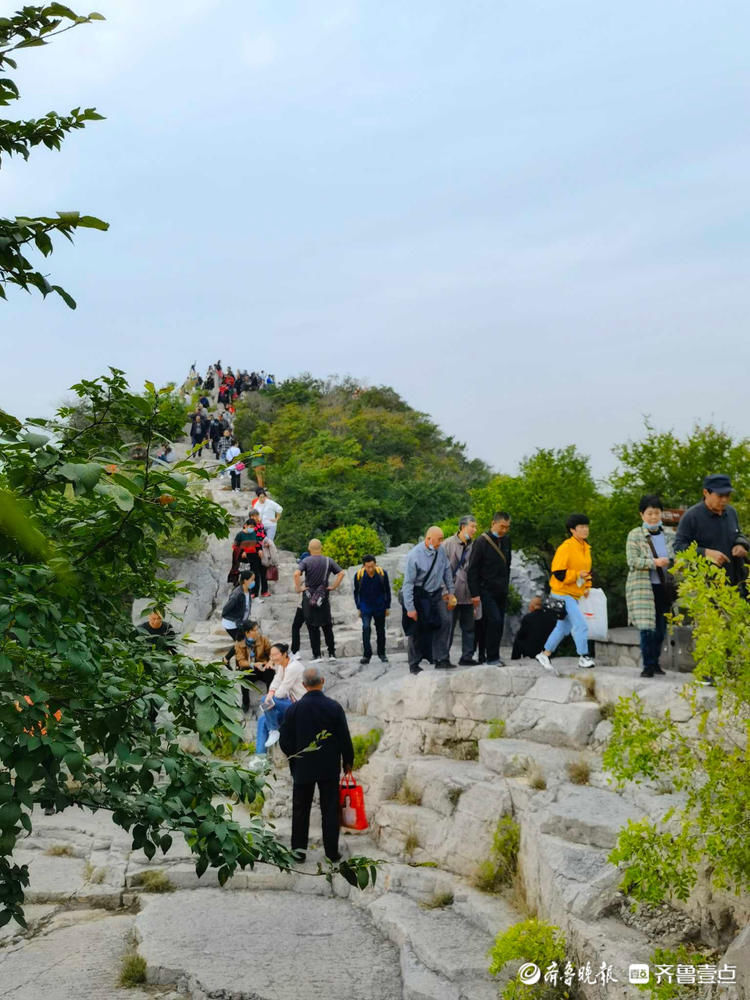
(352, 804)
(272, 573)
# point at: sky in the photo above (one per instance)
(531, 219)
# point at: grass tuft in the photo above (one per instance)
(438, 901)
(497, 729)
(607, 710)
(60, 851)
(498, 870)
(536, 778)
(588, 683)
(153, 881)
(132, 970)
(409, 796)
(411, 843)
(365, 747)
(579, 771)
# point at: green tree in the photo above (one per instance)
(675, 468)
(708, 761)
(27, 28)
(348, 454)
(550, 485)
(83, 510)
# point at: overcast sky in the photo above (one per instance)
(530, 218)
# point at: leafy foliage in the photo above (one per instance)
(345, 454)
(709, 766)
(498, 870)
(349, 544)
(31, 27)
(365, 747)
(530, 941)
(91, 713)
(668, 989)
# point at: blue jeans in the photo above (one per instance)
(574, 623)
(270, 718)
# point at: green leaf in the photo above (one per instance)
(91, 222)
(84, 474)
(206, 717)
(201, 866)
(121, 496)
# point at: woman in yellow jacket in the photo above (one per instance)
(571, 580)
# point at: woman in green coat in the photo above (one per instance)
(650, 553)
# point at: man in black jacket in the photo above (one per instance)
(302, 724)
(714, 526)
(489, 579)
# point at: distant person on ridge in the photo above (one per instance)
(458, 548)
(427, 621)
(489, 579)
(198, 430)
(372, 595)
(317, 569)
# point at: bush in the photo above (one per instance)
(365, 747)
(349, 544)
(132, 970)
(661, 860)
(498, 870)
(679, 956)
(531, 941)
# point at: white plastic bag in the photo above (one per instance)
(594, 610)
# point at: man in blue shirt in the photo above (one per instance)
(427, 621)
(372, 595)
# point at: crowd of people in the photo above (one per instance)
(459, 583)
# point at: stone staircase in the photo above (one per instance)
(459, 751)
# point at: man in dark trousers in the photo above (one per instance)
(372, 595)
(302, 724)
(534, 630)
(489, 579)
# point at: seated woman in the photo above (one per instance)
(252, 651)
(286, 688)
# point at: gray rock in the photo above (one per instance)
(266, 945)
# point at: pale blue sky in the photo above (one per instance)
(530, 218)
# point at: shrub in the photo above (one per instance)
(409, 796)
(365, 747)
(349, 544)
(498, 870)
(181, 544)
(662, 859)
(579, 771)
(514, 603)
(497, 729)
(132, 970)
(438, 901)
(153, 881)
(679, 956)
(531, 941)
(396, 584)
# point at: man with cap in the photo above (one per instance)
(714, 526)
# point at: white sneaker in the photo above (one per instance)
(317, 659)
(585, 661)
(273, 738)
(331, 657)
(546, 663)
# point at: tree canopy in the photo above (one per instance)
(28, 28)
(91, 714)
(346, 454)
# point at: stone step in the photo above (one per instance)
(516, 758)
(443, 956)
